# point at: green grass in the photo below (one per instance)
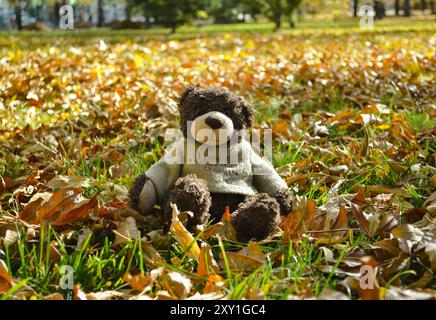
(96, 266)
(396, 24)
(99, 265)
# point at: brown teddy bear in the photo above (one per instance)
(228, 171)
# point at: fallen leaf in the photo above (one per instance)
(206, 263)
(247, 259)
(126, 231)
(300, 219)
(180, 284)
(183, 236)
(63, 199)
(78, 212)
(60, 181)
(137, 282)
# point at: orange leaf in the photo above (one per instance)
(300, 220)
(360, 218)
(342, 219)
(2, 186)
(6, 281)
(61, 200)
(137, 282)
(77, 213)
(291, 223)
(206, 262)
(29, 210)
(213, 281)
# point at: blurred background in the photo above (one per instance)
(172, 14)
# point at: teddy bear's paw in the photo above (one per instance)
(135, 191)
(190, 194)
(285, 199)
(257, 217)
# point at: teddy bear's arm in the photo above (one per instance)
(265, 177)
(147, 197)
(152, 187)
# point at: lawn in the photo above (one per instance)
(353, 118)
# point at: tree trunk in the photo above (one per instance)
(100, 18)
(407, 8)
(146, 14)
(173, 28)
(128, 16)
(397, 7)
(277, 22)
(291, 19)
(433, 7)
(18, 16)
(422, 5)
(277, 14)
(356, 7)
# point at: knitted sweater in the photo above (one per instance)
(240, 171)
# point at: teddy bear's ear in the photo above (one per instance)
(248, 112)
(190, 88)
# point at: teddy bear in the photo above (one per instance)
(213, 121)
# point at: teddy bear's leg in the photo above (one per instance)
(256, 217)
(189, 193)
(285, 199)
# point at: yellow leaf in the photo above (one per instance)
(183, 236)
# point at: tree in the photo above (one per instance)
(355, 7)
(397, 7)
(379, 9)
(251, 7)
(422, 5)
(100, 17)
(275, 9)
(290, 9)
(407, 8)
(223, 11)
(173, 13)
(227, 11)
(18, 7)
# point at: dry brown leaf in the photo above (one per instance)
(61, 181)
(63, 199)
(180, 284)
(215, 283)
(2, 185)
(227, 231)
(247, 259)
(29, 211)
(126, 231)
(360, 218)
(183, 236)
(300, 219)
(6, 281)
(138, 282)
(151, 255)
(206, 263)
(78, 212)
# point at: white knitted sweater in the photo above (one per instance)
(240, 171)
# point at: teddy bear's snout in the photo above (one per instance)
(214, 122)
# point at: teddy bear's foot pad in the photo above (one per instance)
(256, 217)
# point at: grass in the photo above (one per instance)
(292, 268)
(30, 39)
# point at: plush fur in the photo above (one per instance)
(135, 191)
(195, 102)
(284, 198)
(252, 216)
(189, 194)
(256, 217)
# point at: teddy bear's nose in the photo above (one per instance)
(214, 123)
